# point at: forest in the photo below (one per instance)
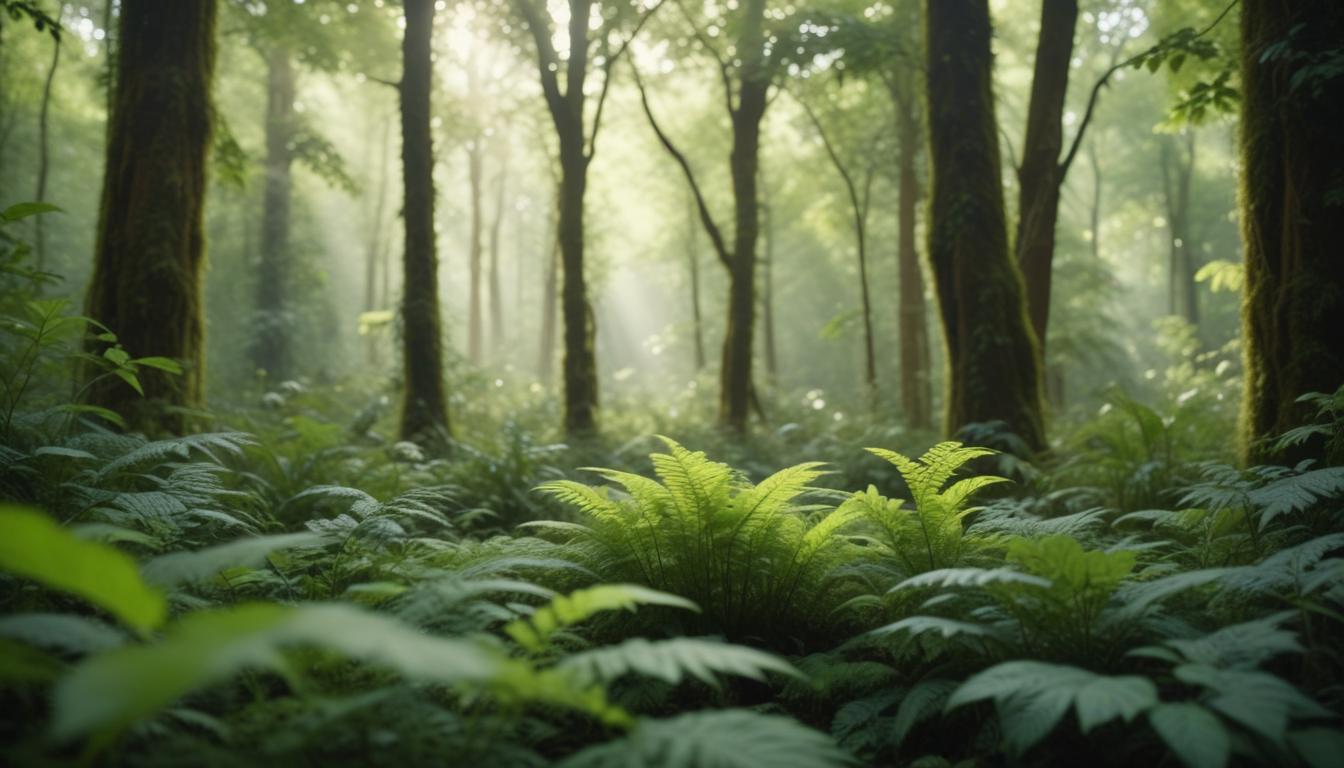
(672, 383)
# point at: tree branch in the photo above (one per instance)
(607, 67)
(723, 63)
(712, 229)
(546, 55)
(1105, 80)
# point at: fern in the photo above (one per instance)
(1032, 697)
(733, 738)
(567, 610)
(674, 660)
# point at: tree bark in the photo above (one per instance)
(43, 152)
(146, 283)
(580, 363)
(994, 365)
(1292, 222)
(550, 287)
(916, 389)
(424, 413)
(271, 347)
(1041, 174)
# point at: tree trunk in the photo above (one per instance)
(424, 412)
(43, 152)
(1292, 222)
(550, 287)
(271, 344)
(994, 365)
(475, 310)
(497, 342)
(377, 242)
(916, 389)
(146, 283)
(1177, 177)
(753, 87)
(768, 290)
(693, 264)
(580, 365)
(1040, 177)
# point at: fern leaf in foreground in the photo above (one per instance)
(731, 738)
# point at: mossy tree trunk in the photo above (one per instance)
(146, 283)
(693, 273)
(994, 366)
(1292, 217)
(424, 413)
(271, 345)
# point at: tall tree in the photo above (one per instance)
(1292, 223)
(424, 412)
(271, 345)
(146, 282)
(475, 300)
(44, 147)
(693, 274)
(747, 74)
(993, 365)
(916, 388)
(860, 193)
(577, 137)
(497, 342)
(1041, 174)
(1178, 173)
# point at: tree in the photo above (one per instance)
(319, 36)
(1178, 172)
(146, 283)
(860, 193)
(993, 365)
(44, 146)
(424, 413)
(1292, 71)
(577, 137)
(747, 75)
(1041, 174)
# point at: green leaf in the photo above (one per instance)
(568, 610)
(729, 738)
(117, 688)
(1193, 733)
(673, 660)
(170, 570)
(1318, 747)
(34, 546)
(21, 211)
(161, 363)
(61, 632)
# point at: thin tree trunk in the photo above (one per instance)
(768, 287)
(1094, 215)
(43, 152)
(497, 342)
(994, 366)
(1292, 223)
(273, 331)
(424, 412)
(146, 283)
(693, 274)
(377, 237)
(1177, 177)
(1041, 174)
(858, 203)
(475, 310)
(916, 387)
(550, 287)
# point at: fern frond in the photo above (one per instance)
(568, 610)
(729, 738)
(673, 660)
